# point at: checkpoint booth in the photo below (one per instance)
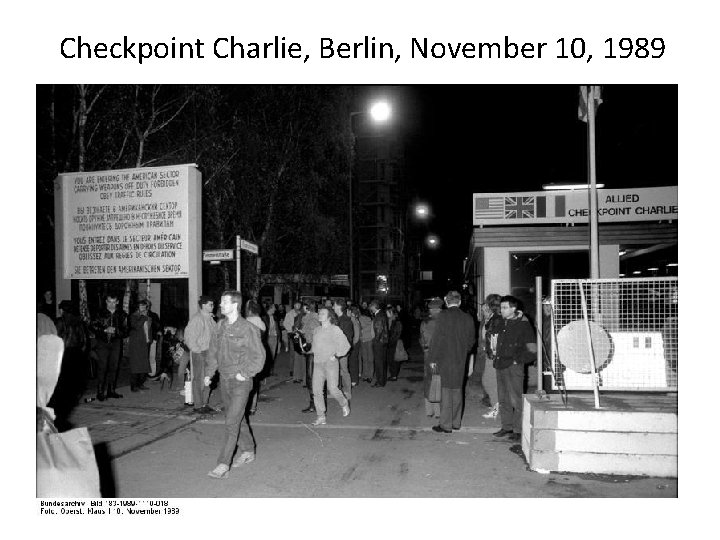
(632, 308)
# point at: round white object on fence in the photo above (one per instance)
(573, 351)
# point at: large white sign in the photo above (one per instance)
(614, 205)
(126, 224)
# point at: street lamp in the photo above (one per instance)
(422, 211)
(431, 241)
(380, 112)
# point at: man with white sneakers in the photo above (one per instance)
(329, 344)
(237, 352)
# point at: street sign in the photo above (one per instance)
(247, 246)
(219, 255)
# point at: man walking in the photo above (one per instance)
(452, 340)
(298, 362)
(515, 347)
(307, 327)
(197, 336)
(346, 325)
(237, 352)
(110, 328)
(379, 342)
(329, 344)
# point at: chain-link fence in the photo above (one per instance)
(633, 329)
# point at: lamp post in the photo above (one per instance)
(380, 112)
(431, 241)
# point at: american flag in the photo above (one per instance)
(489, 208)
(519, 207)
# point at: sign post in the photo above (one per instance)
(241, 244)
(238, 271)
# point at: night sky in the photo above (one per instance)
(465, 138)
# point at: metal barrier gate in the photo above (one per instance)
(633, 329)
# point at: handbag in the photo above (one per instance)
(435, 392)
(400, 352)
(66, 465)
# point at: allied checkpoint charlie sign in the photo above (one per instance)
(142, 223)
(537, 207)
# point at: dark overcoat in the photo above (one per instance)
(138, 344)
(452, 340)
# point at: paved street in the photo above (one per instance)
(150, 445)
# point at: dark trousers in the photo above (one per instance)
(380, 354)
(309, 364)
(70, 385)
(108, 355)
(200, 392)
(451, 401)
(235, 396)
(354, 363)
(393, 366)
(510, 389)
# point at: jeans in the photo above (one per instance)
(379, 355)
(310, 369)
(510, 389)
(326, 372)
(298, 367)
(345, 377)
(354, 363)
(366, 359)
(200, 392)
(451, 408)
(489, 380)
(235, 395)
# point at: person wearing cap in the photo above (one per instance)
(427, 329)
(452, 341)
(197, 336)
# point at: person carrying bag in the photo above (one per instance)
(65, 462)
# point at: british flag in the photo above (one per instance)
(519, 207)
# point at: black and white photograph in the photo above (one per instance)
(360, 291)
(408, 268)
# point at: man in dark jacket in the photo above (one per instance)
(110, 328)
(346, 325)
(516, 347)
(379, 342)
(237, 352)
(452, 341)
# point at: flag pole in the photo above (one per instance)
(594, 241)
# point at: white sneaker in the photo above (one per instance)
(243, 458)
(346, 410)
(492, 413)
(320, 421)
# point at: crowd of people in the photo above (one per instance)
(333, 346)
